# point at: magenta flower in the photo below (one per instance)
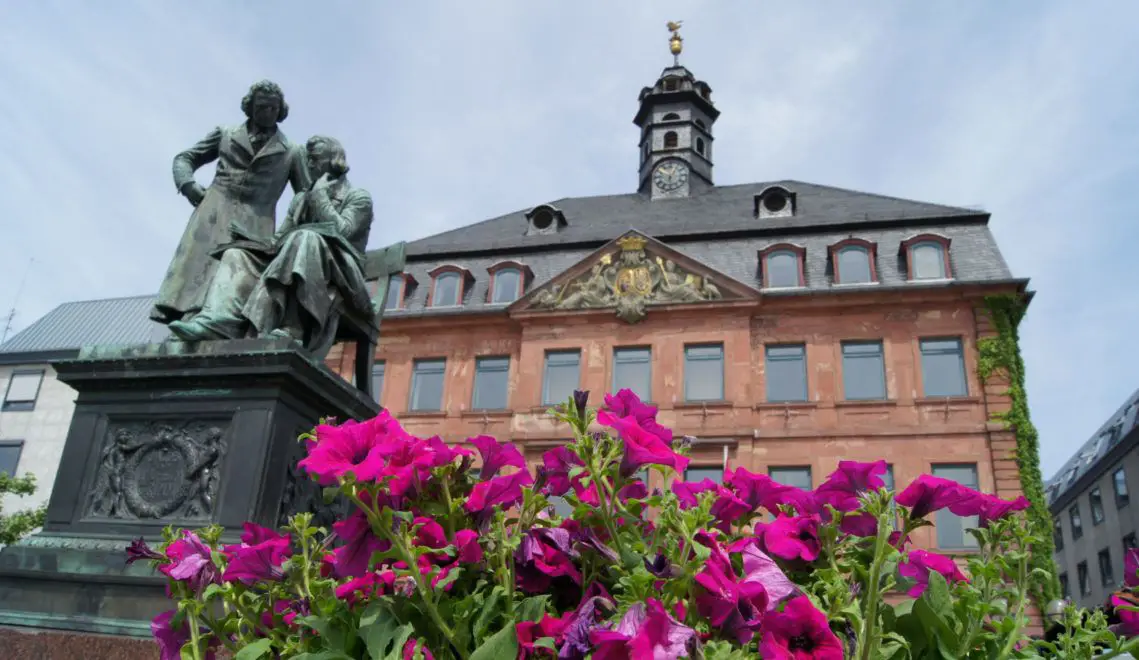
(760, 490)
(496, 455)
(171, 639)
(415, 649)
(646, 631)
(191, 562)
(627, 404)
(758, 567)
(429, 533)
(634, 491)
(558, 462)
(366, 586)
(794, 538)
(352, 447)
(928, 493)
(595, 607)
(251, 563)
(545, 555)
(467, 545)
(408, 462)
(352, 559)
(1128, 619)
(920, 563)
(503, 491)
(852, 478)
(583, 536)
(688, 492)
(642, 446)
(445, 454)
(1131, 567)
(529, 632)
(993, 508)
(139, 550)
(734, 607)
(799, 631)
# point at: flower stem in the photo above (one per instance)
(869, 636)
(1021, 598)
(195, 635)
(449, 523)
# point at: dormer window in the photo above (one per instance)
(672, 116)
(671, 84)
(782, 266)
(775, 202)
(926, 257)
(507, 282)
(448, 285)
(547, 219)
(853, 262)
(670, 140)
(398, 287)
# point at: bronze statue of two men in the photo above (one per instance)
(235, 274)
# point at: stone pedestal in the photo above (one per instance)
(166, 434)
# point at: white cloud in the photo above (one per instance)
(453, 112)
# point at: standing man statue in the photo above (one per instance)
(254, 162)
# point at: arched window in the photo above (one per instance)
(700, 146)
(853, 265)
(507, 285)
(448, 287)
(700, 123)
(670, 140)
(672, 116)
(782, 266)
(928, 261)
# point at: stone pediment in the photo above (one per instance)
(630, 275)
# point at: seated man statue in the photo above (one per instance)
(290, 289)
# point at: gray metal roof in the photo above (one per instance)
(1091, 456)
(76, 324)
(717, 210)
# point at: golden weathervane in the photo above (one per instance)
(676, 42)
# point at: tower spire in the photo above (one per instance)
(675, 42)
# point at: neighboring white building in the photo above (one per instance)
(36, 409)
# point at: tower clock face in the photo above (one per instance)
(670, 176)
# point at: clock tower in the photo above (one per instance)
(675, 117)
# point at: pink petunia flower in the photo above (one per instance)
(445, 454)
(799, 631)
(529, 632)
(734, 607)
(503, 491)
(993, 508)
(171, 639)
(366, 586)
(544, 555)
(352, 558)
(642, 446)
(190, 562)
(558, 462)
(138, 550)
(646, 631)
(415, 649)
(467, 544)
(920, 563)
(352, 447)
(595, 606)
(928, 494)
(258, 556)
(760, 490)
(625, 403)
(1131, 567)
(793, 538)
(758, 567)
(852, 478)
(496, 455)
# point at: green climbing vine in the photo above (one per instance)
(1002, 354)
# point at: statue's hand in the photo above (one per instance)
(194, 192)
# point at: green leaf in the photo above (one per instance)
(533, 608)
(937, 594)
(328, 494)
(934, 625)
(486, 615)
(385, 639)
(323, 655)
(254, 650)
(502, 644)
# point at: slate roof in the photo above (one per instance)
(75, 324)
(717, 210)
(1091, 458)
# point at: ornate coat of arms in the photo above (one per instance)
(629, 281)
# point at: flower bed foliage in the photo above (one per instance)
(452, 555)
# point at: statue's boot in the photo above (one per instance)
(192, 331)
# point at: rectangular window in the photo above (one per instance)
(1082, 576)
(491, 382)
(702, 472)
(394, 297)
(1106, 576)
(23, 388)
(1064, 590)
(427, 385)
(1077, 524)
(704, 372)
(951, 528)
(799, 477)
(1057, 534)
(863, 370)
(786, 372)
(942, 367)
(10, 456)
(1096, 500)
(633, 369)
(563, 376)
(1119, 485)
(378, 381)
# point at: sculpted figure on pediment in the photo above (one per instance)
(595, 291)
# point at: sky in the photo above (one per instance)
(452, 112)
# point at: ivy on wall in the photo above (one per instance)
(1001, 354)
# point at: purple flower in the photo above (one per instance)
(793, 539)
(633, 491)
(529, 632)
(496, 455)
(580, 401)
(595, 607)
(467, 545)
(171, 638)
(758, 567)
(646, 631)
(139, 550)
(258, 557)
(994, 508)
(500, 491)
(352, 447)
(928, 493)
(734, 607)
(760, 490)
(544, 555)
(799, 632)
(558, 462)
(445, 454)
(842, 488)
(352, 558)
(1131, 567)
(919, 564)
(689, 492)
(581, 535)
(627, 404)
(642, 445)
(660, 566)
(191, 562)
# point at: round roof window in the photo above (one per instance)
(542, 220)
(775, 201)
